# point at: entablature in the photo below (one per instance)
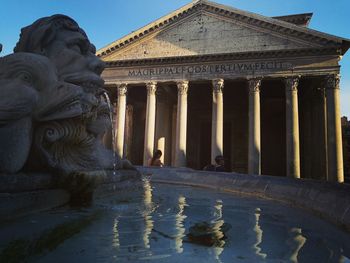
(227, 66)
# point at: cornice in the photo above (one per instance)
(273, 24)
(297, 19)
(225, 56)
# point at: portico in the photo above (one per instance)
(266, 97)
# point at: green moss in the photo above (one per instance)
(20, 250)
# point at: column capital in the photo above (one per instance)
(182, 87)
(151, 88)
(254, 84)
(218, 85)
(332, 81)
(292, 83)
(122, 89)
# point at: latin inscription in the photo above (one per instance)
(210, 69)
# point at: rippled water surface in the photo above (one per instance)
(155, 228)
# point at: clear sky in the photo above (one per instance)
(107, 20)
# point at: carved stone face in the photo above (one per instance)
(74, 57)
(28, 83)
(71, 118)
(63, 102)
(28, 69)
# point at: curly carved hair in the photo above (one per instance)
(35, 37)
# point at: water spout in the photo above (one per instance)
(105, 95)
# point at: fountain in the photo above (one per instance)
(53, 114)
(105, 94)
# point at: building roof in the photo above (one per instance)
(294, 26)
(296, 19)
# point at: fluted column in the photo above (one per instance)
(150, 122)
(254, 151)
(292, 127)
(181, 124)
(217, 123)
(120, 122)
(334, 136)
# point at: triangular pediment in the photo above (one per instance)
(203, 28)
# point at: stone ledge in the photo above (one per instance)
(22, 182)
(331, 201)
(20, 204)
(22, 194)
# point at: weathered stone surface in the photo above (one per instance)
(52, 112)
(207, 15)
(30, 93)
(22, 182)
(19, 204)
(70, 145)
(22, 194)
(205, 34)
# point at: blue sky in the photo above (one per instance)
(107, 20)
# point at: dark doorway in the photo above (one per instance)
(227, 145)
(273, 128)
(137, 97)
(205, 144)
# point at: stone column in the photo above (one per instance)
(334, 136)
(217, 121)
(120, 122)
(254, 151)
(150, 122)
(181, 124)
(292, 127)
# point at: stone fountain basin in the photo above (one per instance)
(330, 201)
(31, 194)
(23, 194)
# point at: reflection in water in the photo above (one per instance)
(147, 197)
(147, 212)
(258, 234)
(218, 234)
(115, 242)
(295, 242)
(148, 230)
(179, 224)
(344, 259)
(274, 233)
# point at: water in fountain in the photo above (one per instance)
(174, 223)
(113, 130)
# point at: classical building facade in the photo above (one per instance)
(208, 80)
(346, 146)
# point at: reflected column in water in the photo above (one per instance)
(217, 223)
(179, 224)
(146, 213)
(258, 235)
(295, 242)
(116, 242)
